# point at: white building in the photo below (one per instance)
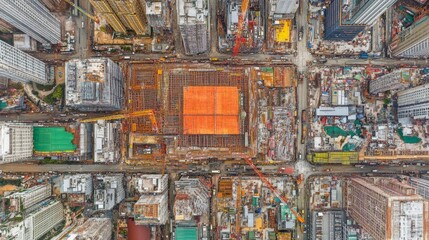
(109, 191)
(94, 84)
(106, 144)
(16, 142)
(36, 224)
(150, 183)
(32, 195)
(414, 102)
(93, 229)
(397, 80)
(20, 66)
(280, 9)
(77, 184)
(32, 18)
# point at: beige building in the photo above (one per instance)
(123, 15)
(16, 142)
(388, 209)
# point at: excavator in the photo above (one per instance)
(92, 17)
(149, 113)
(274, 189)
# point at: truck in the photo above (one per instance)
(363, 55)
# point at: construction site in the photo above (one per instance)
(248, 209)
(281, 31)
(201, 111)
(241, 26)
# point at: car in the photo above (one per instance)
(374, 170)
(83, 24)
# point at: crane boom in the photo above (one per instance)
(94, 18)
(150, 113)
(238, 38)
(274, 189)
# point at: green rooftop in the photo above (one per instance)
(52, 139)
(186, 233)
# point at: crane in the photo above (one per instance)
(94, 18)
(150, 113)
(238, 38)
(270, 186)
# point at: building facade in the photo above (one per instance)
(413, 41)
(32, 18)
(32, 195)
(95, 84)
(414, 102)
(123, 15)
(387, 208)
(421, 185)
(16, 142)
(366, 12)
(397, 80)
(20, 66)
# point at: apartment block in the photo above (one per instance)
(94, 84)
(157, 14)
(396, 80)
(421, 185)
(16, 142)
(78, 187)
(414, 102)
(93, 229)
(106, 144)
(108, 191)
(32, 18)
(20, 66)
(123, 15)
(413, 41)
(31, 196)
(388, 209)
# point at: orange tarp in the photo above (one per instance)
(210, 110)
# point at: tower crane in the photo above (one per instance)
(94, 18)
(150, 113)
(274, 189)
(240, 24)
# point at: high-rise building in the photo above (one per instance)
(123, 15)
(93, 228)
(36, 224)
(421, 185)
(108, 191)
(94, 84)
(192, 199)
(414, 102)
(20, 66)
(34, 19)
(151, 209)
(157, 13)
(366, 12)
(193, 24)
(106, 148)
(397, 80)
(16, 142)
(412, 42)
(336, 28)
(32, 195)
(78, 187)
(388, 209)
